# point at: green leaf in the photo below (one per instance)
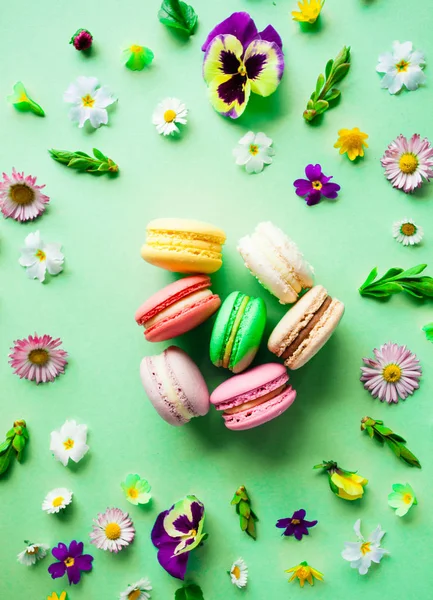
(244, 509)
(340, 73)
(82, 164)
(371, 277)
(408, 457)
(103, 167)
(18, 444)
(251, 529)
(412, 272)
(370, 431)
(243, 522)
(99, 155)
(389, 274)
(332, 95)
(384, 288)
(320, 106)
(5, 446)
(189, 592)
(319, 84)
(5, 460)
(179, 15)
(428, 329)
(383, 430)
(328, 67)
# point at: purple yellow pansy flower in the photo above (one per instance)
(239, 61)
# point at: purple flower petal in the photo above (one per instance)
(84, 562)
(310, 523)
(75, 549)
(270, 35)
(313, 198)
(330, 190)
(282, 523)
(239, 24)
(174, 565)
(183, 524)
(313, 172)
(74, 574)
(197, 511)
(290, 529)
(57, 570)
(299, 514)
(60, 552)
(159, 536)
(233, 90)
(303, 187)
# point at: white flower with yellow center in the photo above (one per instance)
(69, 442)
(407, 233)
(239, 573)
(89, 101)
(57, 500)
(362, 553)
(167, 114)
(254, 151)
(39, 257)
(402, 498)
(32, 554)
(140, 590)
(402, 67)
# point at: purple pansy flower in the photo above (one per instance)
(176, 532)
(240, 60)
(296, 524)
(71, 561)
(316, 186)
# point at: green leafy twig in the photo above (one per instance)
(83, 162)
(190, 591)
(379, 431)
(179, 15)
(247, 517)
(398, 280)
(428, 329)
(325, 91)
(16, 439)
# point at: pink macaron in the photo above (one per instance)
(254, 397)
(175, 386)
(177, 308)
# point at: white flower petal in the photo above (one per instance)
(37, 270)
(98, 117)
(352, 551)
(262, 139)
(357, 529)
(254, 165)
(104, 97)
(247, 139)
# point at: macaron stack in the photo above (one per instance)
(172, 381)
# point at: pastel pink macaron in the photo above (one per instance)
(175, 386)
(254, 397)
(177, 308)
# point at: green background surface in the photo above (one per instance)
(101, 224)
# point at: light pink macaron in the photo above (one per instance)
(177, 308)
(254, 397)
(175, 386)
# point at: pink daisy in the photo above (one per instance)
(113, 530)
(20, 197)
(394, 375)
(38, 358)
(407, 162)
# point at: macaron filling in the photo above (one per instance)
(305, 332)
(177, 308)
(233, 327)
(257, 401)
(191, 242)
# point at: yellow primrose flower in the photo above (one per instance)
(304, 573)
(309, 11)
(54, 596)
(345, 484)
(351, 141)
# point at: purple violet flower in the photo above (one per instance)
(82, 39)
(296, 524)
(316, 186)
(176, 532)
(71, 561)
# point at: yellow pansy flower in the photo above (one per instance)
(54, 596)
(345, 484)
(304, 573)
(351, 141)
(309, 10)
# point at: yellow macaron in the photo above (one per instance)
(183, 245)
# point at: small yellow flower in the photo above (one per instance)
(304, 573)
(54, 596)
(350, 486)
(309, 11)
(351, 141)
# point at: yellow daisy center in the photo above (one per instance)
(39, 357)
(136, 49)
(391, 373)
(303, 572)
(134, 595)
(317, 185)
(365, 548)
(69, 444)
(88, 101)
(69, 562)
(408, 229)
(58, 501)
(132, 493)
(113, 531)
(407, 498)
(408, 163)
(242, 70)
(295, 521)
(254, 149)
(169, 116)
(402, 66)
(40, 254)
(236, 572)
(22, 194)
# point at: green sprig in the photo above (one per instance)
(83, 162)
(326, 91)
(247, 517)
(15, 442)
(178, 15)
(398, 280)
(379, 431)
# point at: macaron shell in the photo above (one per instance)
(249, 335)
(178, 260)
(262, 413)
(222, 323)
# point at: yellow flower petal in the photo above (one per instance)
(351, 487)
(358, 479)
(342, 494)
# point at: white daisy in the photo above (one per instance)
(69, 442)
(402, 67)
(169, 112)
(90, 101)
(137, 591)
(407, 232)
(362, 553)
(57, 500)
(254, 151)
(32, 554)
(39, 257)
(239, 573)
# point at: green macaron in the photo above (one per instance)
(237, 332)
